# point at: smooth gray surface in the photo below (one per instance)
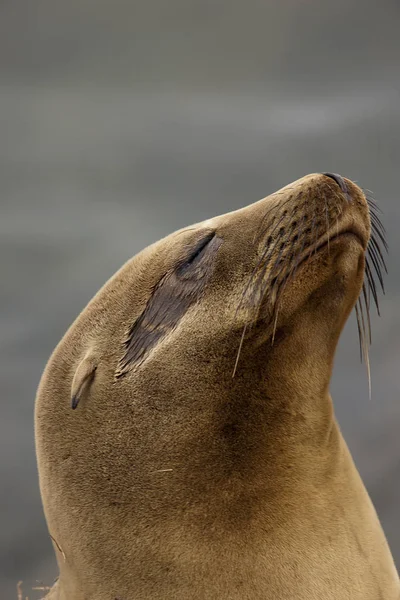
(121, 122)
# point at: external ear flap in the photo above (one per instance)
(83, 378)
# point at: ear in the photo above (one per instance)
(83, 378)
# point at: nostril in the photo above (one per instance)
(339, 180)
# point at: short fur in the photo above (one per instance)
(203, 459)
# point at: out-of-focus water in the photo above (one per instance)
(121, 122)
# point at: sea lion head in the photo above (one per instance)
(201, 364)
(234, 285)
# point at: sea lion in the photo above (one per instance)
(186, 440)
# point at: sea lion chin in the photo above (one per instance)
(186, 440)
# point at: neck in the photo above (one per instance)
(288, 418)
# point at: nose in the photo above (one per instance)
(339, 180)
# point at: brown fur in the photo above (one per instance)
(179, 476)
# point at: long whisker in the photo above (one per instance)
(373, 244)
(376, 224)
(371, 201)
(365, 351)
(371, 283)
(359, 330)
(239, 351)
(379, 232)
(367, 306)
(376, 265)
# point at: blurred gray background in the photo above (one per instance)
(122, 121)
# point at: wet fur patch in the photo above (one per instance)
(176, 292)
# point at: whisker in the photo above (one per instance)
(287, 277)
(327, 224)
(372, 286)
(376, 222)
(239, 351)
(301, 249)
(374, 244)
(265, 256)
(381, 237)
(367, 306)
(372, 256)
(274, 206)
(267, 252)
(359, 330)
(371, 201)
(365, 352)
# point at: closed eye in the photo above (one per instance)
(200, 247)
(170, 300)
(201, 258)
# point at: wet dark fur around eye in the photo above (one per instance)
(199, 249)
(172, 297)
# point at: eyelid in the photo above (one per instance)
(200, 247)
(196, 263)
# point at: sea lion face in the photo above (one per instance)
(247, 278)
